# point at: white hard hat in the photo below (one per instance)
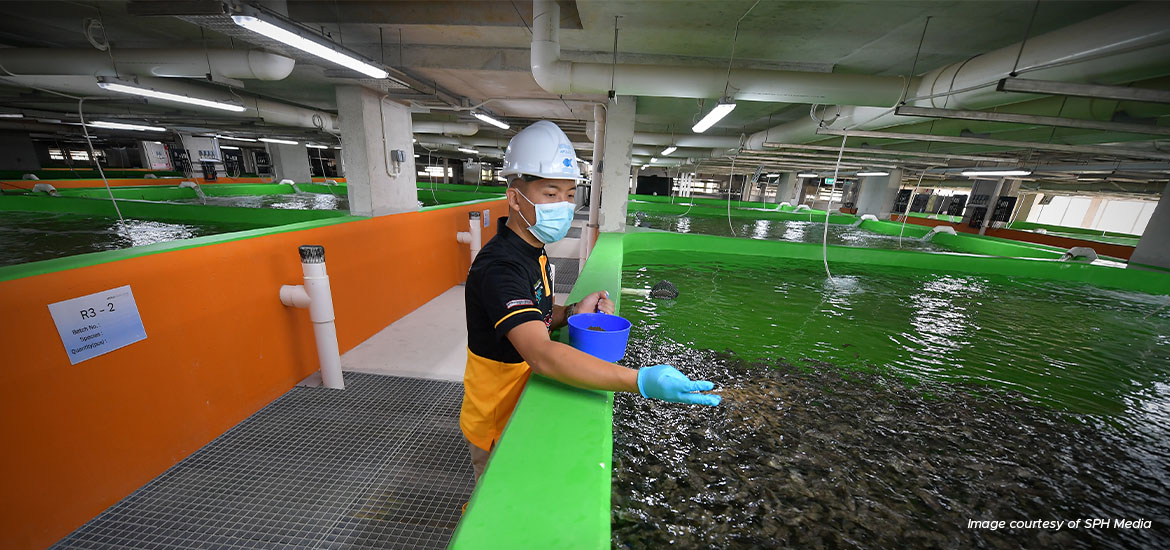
(541, 150)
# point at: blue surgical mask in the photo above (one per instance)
(552, 220)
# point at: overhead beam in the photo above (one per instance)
(1096, 91)
(989, 142)
(989, 116)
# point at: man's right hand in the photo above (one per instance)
(668, 384)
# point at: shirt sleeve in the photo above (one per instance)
(508, 299)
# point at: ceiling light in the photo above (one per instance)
(124, 126)
(147, 92)
(299, 42)
(772, 176)
(230, 147)
(997, 173)
(337, 147)
(280, 141)
(864, 174)
(498, 124)
(157, 142)
(11, 115)
(721, 109)
(807, 175)
(468, 151)
(668, 150)
(230, 138)
(653, 159)
(315, 146)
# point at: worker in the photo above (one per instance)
(510, 309)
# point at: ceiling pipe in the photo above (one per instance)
(191, 63)
(272, 112)
(558, 76)
(457, 128)
(1121, 46)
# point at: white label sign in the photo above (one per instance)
(97, 324)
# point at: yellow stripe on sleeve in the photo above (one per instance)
(517, 311)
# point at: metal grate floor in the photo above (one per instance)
(379, 465)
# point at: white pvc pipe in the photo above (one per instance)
(589, 232)
(459, 128)
(191, 63)
(558, 76)
(316, 296)
(473, 236)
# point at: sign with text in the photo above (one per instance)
(98, 323)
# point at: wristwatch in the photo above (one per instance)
(571, 310)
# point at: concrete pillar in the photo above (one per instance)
(373, 130)
(1026, 202)
(1095, 205)
(17, 152)
(788, 188)
(1154, 246)
(877, 194)
(615, 169)
(290, 162)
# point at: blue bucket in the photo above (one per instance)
(607, 344)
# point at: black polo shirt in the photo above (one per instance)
(508, 284)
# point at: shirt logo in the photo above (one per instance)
(515, 303)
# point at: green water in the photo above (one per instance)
(1076, 347)
(34, 236)
(792, 231)
(884, 408)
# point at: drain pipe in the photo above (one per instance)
(45, 188)
(589, 235)
(472, 236)
(315, 295)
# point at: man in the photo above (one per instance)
(510, 309)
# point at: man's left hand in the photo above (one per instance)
(597, 302)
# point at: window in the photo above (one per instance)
(56, 154)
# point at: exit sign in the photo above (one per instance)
(830, 181)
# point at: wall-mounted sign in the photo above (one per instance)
(98, 323)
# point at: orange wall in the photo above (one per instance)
(1105, 249)
(219, 346)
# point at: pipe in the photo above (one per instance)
(459, 128)
(315, 296)
(589, 234)
(246, 64)
(558, 76)
(1139, 36)
(474, 235)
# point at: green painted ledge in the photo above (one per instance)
(162, 211)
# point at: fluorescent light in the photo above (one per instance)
(230, 138)
(315, 146)
(157, 142)
(416, 155)
(147, 92)
(772, 176)
(498, 124)
(299, 42)
(653, 159)
(337, 147)
(997, 173)
(721, 109)
(807, 175)
(468, 151)
(124, 126)
(280, 141)
(668, 150)
(864, 174)
(231, 147)
(11, 115)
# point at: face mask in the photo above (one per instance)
(552, 220)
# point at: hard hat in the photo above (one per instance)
(542, 150)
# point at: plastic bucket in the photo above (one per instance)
(608, 344)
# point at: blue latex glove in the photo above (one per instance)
(668, 384)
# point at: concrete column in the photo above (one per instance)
(290, 162)
(788, 188)
(1091, 214)
(615, 170)
(372, 129)
(1154, 246)
(877, 194)
(17, 152)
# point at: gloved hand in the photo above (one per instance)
(668, 384)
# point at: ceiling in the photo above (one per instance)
(465, 52)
